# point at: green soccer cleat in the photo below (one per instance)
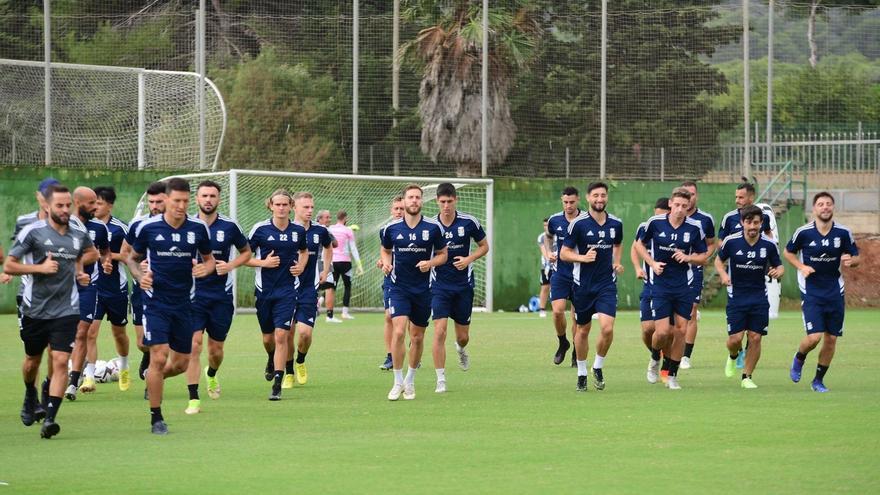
(302, 374)
(213, 385)
(124, 380)
(748, 383)
(730, 367)
(288, 382)
(194, 406)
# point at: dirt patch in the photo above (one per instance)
(863, 283)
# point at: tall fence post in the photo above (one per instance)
(47, 82)
(746, 164)
(355, 62)
(203, 107)
(395, 79)
(567, 162)
(768, 133)
(142, 121)
(484, 97)
(662, 164)
(603, 93)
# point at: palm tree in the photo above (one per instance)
(449, 53)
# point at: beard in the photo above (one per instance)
(86, 214)
(826, 218)
(208, 210)
(597, 208)
(414, 210)
(60, 219)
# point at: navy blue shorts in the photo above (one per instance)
(213, 316)
(275, 312)
(753, 317)
(456, 304)
(665, 305)
(114, 307)
(169, 325)
(385, 296)
(137, 306)
(645, 307)
(306, 311)
(824, 317)
(588, 302)
(417, 306)
(88, 303)
(561, 288)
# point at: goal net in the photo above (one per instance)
(104, 116)
(366, 199)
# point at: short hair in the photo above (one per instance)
(176, 184)
(278, 192)
(750, 212)
(301, 195)
(322, 213)
(412, 186)
(822, 194)
(689, 183)
(570, 191)
(446, 189)
(397, 199)
(155, 188)
(54, 188)
(546, 219)
(209, 183)
(341, 215)
(680, 192)
(106, 193)
(748, 187)
(662, 203)
(597, 185)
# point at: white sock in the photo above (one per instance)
(410, 376)
(398, 377)
(90, 370)
(123, 362)
(582, 367)
(441, 374)
(598, 362)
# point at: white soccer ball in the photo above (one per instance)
(102, 374)
(113, 367)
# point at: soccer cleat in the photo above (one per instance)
(387, 365)
(276, 393)
(598, 379)
(672, 383)
(302, 374)
(288, 381)
(332, 320)
(464, 361)
(29, 410)
(346, 316)
(409, 391)
(395, 392)
(70, 393)
(748, 383)
(88, 385)
(730, 367)
(796, 367)
(741, 359)
(582, 383)
(441, 387)
(124, 380)
(653, 373)
(194, 406)
(213, 385)
(50, 429)
(542, 314)
(559, 357)
(39, 412)
(685, 363)
(159, 428)
(664, 376)
(818, 386)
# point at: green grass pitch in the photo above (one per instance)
(512, 424)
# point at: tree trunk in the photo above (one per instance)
(811, 33)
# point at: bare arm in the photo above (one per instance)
(636, 262)
(548, 248)
(805, 270)
(570, 255)
(12, 266)
(326, 258)
(616, 254)
(722, 271)
(244, 254)
(438, 259)
(462, 262)
(300, 265)
(385, 255)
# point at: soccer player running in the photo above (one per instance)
(320, 246)
(84, 204)
(749, 255)
(49, 255)
(212, 302)
(411, 247)
(546, 270)
(396, 213)
(708, 223)
(642, 270)
(592, 246)
(561, 284)
(329, 285)
(677, 242)
(280, 257)
(171, 244)
(817, 250)
(344, 253)
(452, 288)
(112, 288)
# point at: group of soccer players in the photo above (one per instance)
(69, 251)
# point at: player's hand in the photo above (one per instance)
(460, 262)
(147, 280)
(83, 278)
(199, 270)
(222, 267)
(617, 267)
(49, 266)
(590, 256)
(145, 265)
(5, 278)
(423, 266)
(271, 261)
(725, 278)
(360, 269)
(847, 260)
(640, 274)
(680, 257)
(658, 267)
(775, 272)
(806, 271)
(553, 258)
(386, 268)
(297, 268)
(379, 263)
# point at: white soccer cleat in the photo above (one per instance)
(542, 314)
(333, 320)
(672, 383)
(346, 316)
(395, 392)
(441, 387)
(653, 373)
(464, 361)
(685, 363)
(409, 391)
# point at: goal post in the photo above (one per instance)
(366, 199)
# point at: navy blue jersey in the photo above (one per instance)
(708, 225)
(458, 237)
(170, 253)
(116, 282)
(747, 265)
(225, 233)
(822, 253)
(265, 237)
(409, 246)
(640, 232)
(100, 238)
(557, 228)
(585, 233)
(663, 241)
(317, 238)
(730, 223)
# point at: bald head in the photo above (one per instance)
(85, 202)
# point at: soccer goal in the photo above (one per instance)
(103, 116)
(366, 199)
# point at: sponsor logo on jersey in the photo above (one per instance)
(399, 236)
(190, 237)
(270, 238)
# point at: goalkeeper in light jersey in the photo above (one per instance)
(343, 255)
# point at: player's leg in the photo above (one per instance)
(116, 310)
(690, 337)
(35, 341)
(387, 331)
(462, 338)
(416, 346)
(92, 348)
(120, 338)
(581, 346)
(267, 331)
(438, 350)
(215, 359)
(558, 298)
(77, 361)
(59, 375)
(734, 345)
(82, 361)
(398, 352)
(193, 369)
(752, 359)
(346, 296)
(606, 307)
(544, 292)
(833, 323)
(814, 324)
(304, 343)
(155, 378)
